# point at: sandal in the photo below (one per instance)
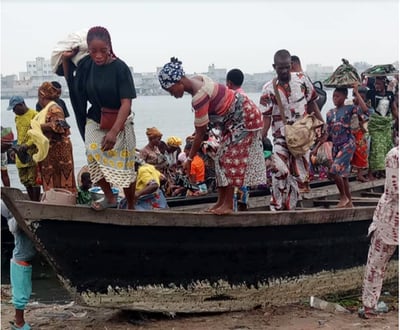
(367, 313)
(26, 326)
(103, 204)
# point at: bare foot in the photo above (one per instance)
(222, 210)
(349, 205)
(362, 179)
(342, 203)
(212, 208)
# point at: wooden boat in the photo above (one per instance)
(191, 261)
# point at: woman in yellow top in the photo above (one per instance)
(148, 194)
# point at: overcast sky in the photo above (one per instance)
(243, 34)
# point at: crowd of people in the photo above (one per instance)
(228, 152)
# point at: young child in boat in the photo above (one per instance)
(338, 130)
(84, 195)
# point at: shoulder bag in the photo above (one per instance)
(300, 135)
(108, 118)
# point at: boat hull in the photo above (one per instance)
(185, 261)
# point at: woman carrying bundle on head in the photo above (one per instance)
(239, 159)
(105, 81)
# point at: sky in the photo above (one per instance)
(236, 33)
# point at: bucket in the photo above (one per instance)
(97, 193)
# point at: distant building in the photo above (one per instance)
(28, 82)
(318, 71)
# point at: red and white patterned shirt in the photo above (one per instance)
(295, 95)
(386, 216)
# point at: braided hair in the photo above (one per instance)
(101, 33)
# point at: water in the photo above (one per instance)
(171, 116)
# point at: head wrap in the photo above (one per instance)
(48, 91)
(174, 141)
(171, 73)
(153, 132)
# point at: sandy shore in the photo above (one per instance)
(293, 317)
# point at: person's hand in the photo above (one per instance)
(70, 53)
(108, 141)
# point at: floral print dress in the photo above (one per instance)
(338, 122)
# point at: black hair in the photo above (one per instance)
(295, 59)
(56, 84)
(235, 76)
(342, 90)
(99, 32)
(85, 175)
(281, 54)
(384, 79)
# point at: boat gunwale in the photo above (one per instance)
(35, 211)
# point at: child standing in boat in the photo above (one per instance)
(338, 121)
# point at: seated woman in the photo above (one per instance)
(148, 195)
(197, 175)
(151, 153)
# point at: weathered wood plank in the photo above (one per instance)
(38, 211)
(332, 190)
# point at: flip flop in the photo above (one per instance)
(103, 204)
(26, 326)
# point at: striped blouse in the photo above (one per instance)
(211, 99)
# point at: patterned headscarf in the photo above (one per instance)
(171, 73)
(174, 141)
(48, 91)
(153, 132)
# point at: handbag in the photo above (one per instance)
(321, 94)
(108, 118)
(58, 196)
(300, 135)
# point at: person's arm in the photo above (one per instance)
(395, 108)
(151, 187)
(266, 126)
(312, 107)
(198, 139)
(66, 61)
(360, 100)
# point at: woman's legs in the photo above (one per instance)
(130, 196)
(108, 195)
(226, 195)
(347, 191)
(219, 200)
(343, 190)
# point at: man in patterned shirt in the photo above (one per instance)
(298, 98)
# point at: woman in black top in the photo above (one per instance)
(104, 81)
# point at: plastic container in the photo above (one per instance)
(97, 193)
